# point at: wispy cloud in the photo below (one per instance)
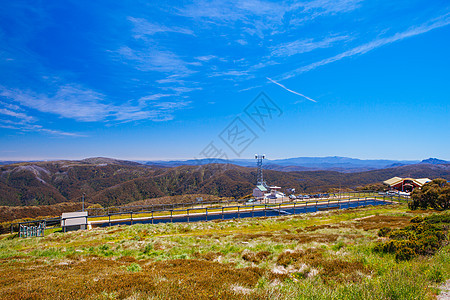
(291, 91)
(80, 104)
(15, 118)
(225, 11)
(56, 132)
(306, 45)
(25, 123)
(441, 21)
(259, 16)
(156, 60)
(181, 89)
(143, 27)
(230, 73)
(325, 7)
(69, 101)
(206, 57)
(15, 114)
(144, 100)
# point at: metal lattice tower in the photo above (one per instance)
(259, 173)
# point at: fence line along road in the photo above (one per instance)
(191, 215)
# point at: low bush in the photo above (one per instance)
(425, 236)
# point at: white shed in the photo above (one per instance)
(74, 220)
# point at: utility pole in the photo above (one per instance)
(259, 174)
(83, 202)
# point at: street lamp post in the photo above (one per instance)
(83, 202)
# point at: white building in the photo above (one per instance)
(259, 191)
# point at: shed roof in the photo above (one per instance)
(262, 188)
(392, 181)
(423, 180)
(397, 180)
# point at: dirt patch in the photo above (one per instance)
(330, 270)
(294, 257)
(255, 257)
(317, 227)
(210, 256)
(377, 222)
(343, 271)
(302, 238)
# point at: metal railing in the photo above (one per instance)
(185, 210)
(187, 214)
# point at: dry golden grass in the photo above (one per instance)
(95, 277)
(377, 222)
(325, 255)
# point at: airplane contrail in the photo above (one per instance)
(289, 90)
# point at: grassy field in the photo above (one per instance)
(324, 255)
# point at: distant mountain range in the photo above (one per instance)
(116, 182)
(331, 163)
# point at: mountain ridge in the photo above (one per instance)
(117, 182)
(331, 163)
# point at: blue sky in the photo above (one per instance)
(142, 80)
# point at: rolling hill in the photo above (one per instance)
(116, 182)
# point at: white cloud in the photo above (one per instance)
(172, 79)
(206, 57)
(18, 115)
(143, 100)
(80, 104)
(322, 7)
(230, 73)
(143, 28)
(181, 89)
(25, 126)
(306, 45)
(259, 16)
(155, 60)
(18, 120)
(157, 111)
(168, 105)
(70, 101)
(441, 21)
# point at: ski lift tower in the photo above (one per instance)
(259, 174)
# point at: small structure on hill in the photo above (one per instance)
(275, 193)
(262, 190)
(405, 184)
(74, 220)
(259, 191)
(31, 231)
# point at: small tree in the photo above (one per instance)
(434, 194)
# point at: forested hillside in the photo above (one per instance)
(114, 182)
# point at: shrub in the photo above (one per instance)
(384, 231)
(425, 236)
(434, 194)
(404, 253)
